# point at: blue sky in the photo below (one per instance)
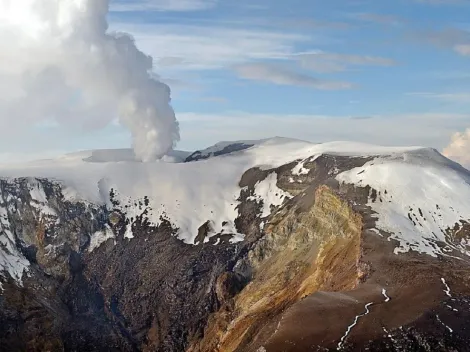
(341, 59)
(379, 71)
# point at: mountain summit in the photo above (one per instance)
(272, 245)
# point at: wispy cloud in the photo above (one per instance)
(20, 157)
(161, 5)
(308, 23)
(272, 73)
(444, 2)
(447, 37)
(198, 47)
(333, 62)
(463, 49)
(433, 130)
(456, 39)
(361, 117)
(219, 100)
(450, 75)
(377, 18)
(448, 97)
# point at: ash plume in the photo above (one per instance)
(59, 63)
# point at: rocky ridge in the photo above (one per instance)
(316, 269)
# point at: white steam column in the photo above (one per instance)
(59, 62)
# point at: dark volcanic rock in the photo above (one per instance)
(235, 147)
(150, 293)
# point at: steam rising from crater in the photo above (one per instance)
(58, 62)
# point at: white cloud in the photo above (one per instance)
(19, 157)
(453, 38)
(433, 130)
(161, 5)
(321, 61)
(276, 74)
(459, 148)
(444, 2)
(449, 74)
(448, 97)
(463, 49)
(377, 18)
(449, 37)
(198, 47)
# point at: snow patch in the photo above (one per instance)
(384, 293)
(261, 225)
(447, 288)
(446, 326)
(11, 260)
(129, 234)
(39, 199)
(270, 194)
(100, 237)
(350, 327)
(237, 237)
(299, 169)
(452, 308)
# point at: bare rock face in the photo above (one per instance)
(226, 149)
(228, 285)
(299, 255)
(314, 275)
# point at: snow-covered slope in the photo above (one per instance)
(421, 194)
(188, 194)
